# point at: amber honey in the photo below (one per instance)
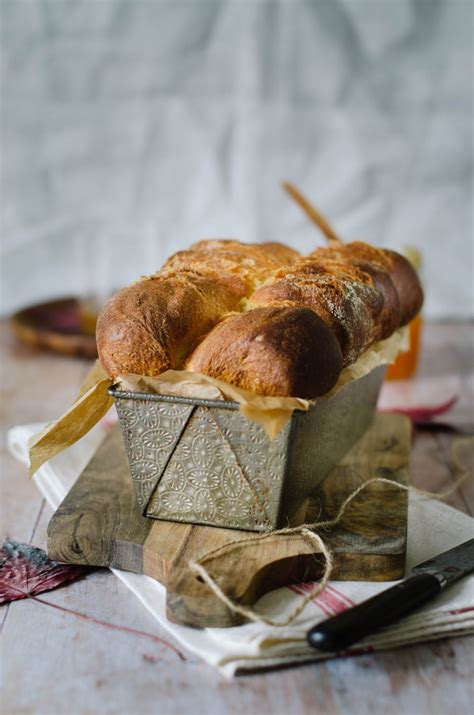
(406, 363)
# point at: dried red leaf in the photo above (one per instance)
(423, 413)
(26, 571)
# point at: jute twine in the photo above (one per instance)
(307, 531)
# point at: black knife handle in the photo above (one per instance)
(341, 631)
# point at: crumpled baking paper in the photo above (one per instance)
(272, 413)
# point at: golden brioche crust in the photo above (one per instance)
(272, 351)
(279, 251)
(259, 315)
(402, 273)
(152, 325)
(342, 295)
(245, 272)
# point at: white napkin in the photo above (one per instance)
(432, 528)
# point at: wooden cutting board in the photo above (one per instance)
(99, 524)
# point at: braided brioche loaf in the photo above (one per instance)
(151, 326)
(259, 316)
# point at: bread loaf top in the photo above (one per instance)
(259, 316)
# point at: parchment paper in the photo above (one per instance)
(272, 413)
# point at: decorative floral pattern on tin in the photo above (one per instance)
(218, 490)
(176, 501)
(149, 449)
(204, 504)
(213, 467)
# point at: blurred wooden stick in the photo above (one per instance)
(313, 214)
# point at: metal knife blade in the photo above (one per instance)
(450, 565)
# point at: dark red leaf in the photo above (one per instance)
(26, 571)
(423, 413)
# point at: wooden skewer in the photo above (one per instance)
(313, 214)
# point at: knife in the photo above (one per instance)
(428, 579)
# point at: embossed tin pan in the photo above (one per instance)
(202, 462)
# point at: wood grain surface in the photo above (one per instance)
(99, 523)
(54, 662)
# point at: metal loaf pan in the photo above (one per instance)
(202, 462)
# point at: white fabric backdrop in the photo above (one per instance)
(137, 127)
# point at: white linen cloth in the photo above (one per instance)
(433, 527)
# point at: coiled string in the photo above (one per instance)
(307, 531)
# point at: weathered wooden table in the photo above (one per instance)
(54, 662)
